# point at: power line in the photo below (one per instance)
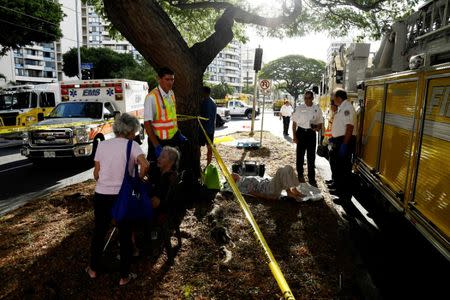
(40, 31)
(22, 13)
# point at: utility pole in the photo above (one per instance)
(78, 39)
(256, 67)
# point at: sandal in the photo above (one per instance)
(91, 273)
(125, 281)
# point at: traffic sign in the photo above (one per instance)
(265, 84)
(87, 66)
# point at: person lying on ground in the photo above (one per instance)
(271, 188)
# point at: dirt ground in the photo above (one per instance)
(44, 247)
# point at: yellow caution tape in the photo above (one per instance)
(181, 117)
(17, 129)
(276, 271)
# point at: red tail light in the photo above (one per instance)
(64, 90)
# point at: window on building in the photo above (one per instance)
(49, 74)
(20, 72)
(49, 64)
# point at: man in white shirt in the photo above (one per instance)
(344, 142)
(306, 121)
(286, 113)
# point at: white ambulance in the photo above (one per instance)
(84, 118)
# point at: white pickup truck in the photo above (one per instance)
(239, 108)
(222, 116)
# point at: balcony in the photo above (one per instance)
(35, 79)
(34, 67)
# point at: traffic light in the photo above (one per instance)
(339, 76)
(258, 59)
(86, 74)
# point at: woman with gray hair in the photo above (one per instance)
(163, 181)
(110, 160)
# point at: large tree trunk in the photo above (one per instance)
(145, 24)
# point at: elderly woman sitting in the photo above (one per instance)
(164, 184)
(110, 159)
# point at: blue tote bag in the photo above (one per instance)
(133, 201)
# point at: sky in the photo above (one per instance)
(312, 45)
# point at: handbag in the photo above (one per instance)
(211, 178)
(133, 201)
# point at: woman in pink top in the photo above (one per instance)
(110, 159)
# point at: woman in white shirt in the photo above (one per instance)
(110, 160)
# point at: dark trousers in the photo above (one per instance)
(286, 121)
(343, 166)
(306, 142)
(102, 213)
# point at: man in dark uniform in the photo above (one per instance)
(344, 143)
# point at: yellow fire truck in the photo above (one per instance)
(25, 105)
(404, 133)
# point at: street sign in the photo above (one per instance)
(87, 66)
(265, 84)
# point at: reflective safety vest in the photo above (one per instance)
(164, 123)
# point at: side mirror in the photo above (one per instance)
(112, 115)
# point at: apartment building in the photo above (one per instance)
(42, 62)
(95, 33)
(226, 67)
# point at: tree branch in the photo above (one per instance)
(207, 50)
(364, 7)
(241, 15)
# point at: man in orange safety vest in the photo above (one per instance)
(160, 116)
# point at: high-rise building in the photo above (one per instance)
(226, 67)
(42, 62)
(95, 33)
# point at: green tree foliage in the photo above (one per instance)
(368, 17)
(219, 91)
(109, 64)
(142, 71)
(294, 73)
(186, 35)
(248, 89)
(28, 21)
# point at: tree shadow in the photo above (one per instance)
(35, 179)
